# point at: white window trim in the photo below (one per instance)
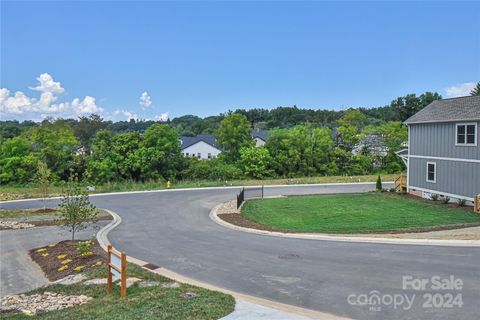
(456, 134)
(434, 172)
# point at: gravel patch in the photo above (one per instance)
(36, 303)
(228, 207)
(7, 225)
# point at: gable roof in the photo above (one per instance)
(446, 110)
(260, 134)
(207, 138)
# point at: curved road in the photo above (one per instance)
(172, 229)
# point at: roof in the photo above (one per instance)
(446, 110)
(207, 138)
(260, 134)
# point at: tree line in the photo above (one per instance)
(302, 142)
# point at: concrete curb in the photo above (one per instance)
(207, 188)
(326, 237)
(102, 237)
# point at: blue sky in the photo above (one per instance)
(204, 58)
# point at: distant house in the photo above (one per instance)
(204, 146)
(443, 154)
(260, 137)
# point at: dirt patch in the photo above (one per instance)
(239, 220)
(50, 259)
(46, 210)
(44, 223)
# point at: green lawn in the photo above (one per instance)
(141, 303)
(355, 213)
(32, 191)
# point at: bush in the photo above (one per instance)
(461, 202)
(84, 248)
(379, 184)
(393, 190)
(434, 197)
(446, 200)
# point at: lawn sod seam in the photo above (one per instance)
(372, 212)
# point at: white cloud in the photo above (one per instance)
(460, 90)
(145, 100)
(21, 104)
(163, 117)
(47, 84)
(129, 115)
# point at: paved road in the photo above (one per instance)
(173, 230)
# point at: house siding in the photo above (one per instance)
(203, 148)
(453, 177)
(438, 140)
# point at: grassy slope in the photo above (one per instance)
(25, 192)
(354, 213)
(141, 303)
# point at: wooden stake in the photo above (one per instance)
(123, 292)
(109, 279)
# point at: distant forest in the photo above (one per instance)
(281, 117)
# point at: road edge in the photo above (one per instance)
(326, 237)
(102, 238)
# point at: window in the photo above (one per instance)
(431, 172)
(199, 155)
(466, 134)
(186, 154)
(209, 155)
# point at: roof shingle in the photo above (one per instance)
(446, 110)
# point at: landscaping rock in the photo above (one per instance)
(171, 285)
(145, 284)
(47, 301)
(71, 279)
(189, 295)
(130, 281)
(15, 225)
(95, 281)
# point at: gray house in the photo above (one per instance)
(443, 154)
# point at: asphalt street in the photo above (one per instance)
(172, 229)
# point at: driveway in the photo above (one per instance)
(172, 229)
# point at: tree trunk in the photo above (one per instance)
(73, 234)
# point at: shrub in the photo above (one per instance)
(379, 184)
(461, 202)
(392, 190)
(434, 197)
(84, 248)
(446, 199)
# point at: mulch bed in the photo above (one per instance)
(50, 263)
(43, 223)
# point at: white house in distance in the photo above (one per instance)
(204, 146)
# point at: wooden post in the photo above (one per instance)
(109, 279)
(123, 292)
(476, 204)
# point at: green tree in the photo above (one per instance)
(349, 128)
(86, 128)
(17, 161)
(44, 179)
(234, 133)
(256, 162)
(76, 210)
(378, 185)
(56, 145)
(476, 90)
(159, 155)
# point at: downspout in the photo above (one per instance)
(408, 160)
